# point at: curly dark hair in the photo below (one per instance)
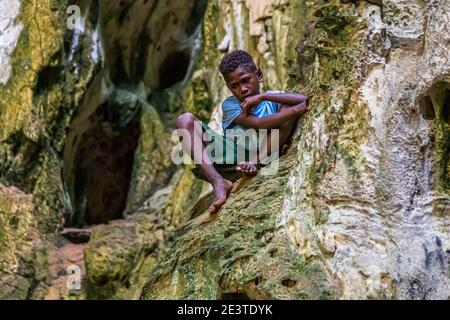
(236, 59)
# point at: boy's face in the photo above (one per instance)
(243, 83)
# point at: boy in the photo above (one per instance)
(248, 108)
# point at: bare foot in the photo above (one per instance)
(222, 189)
(247, 168)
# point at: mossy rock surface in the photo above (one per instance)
(239, 251)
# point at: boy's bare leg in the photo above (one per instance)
(221, 186)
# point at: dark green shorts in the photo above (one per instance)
(231, 152)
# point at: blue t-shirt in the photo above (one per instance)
(231, 109)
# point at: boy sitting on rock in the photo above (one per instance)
(248, 108)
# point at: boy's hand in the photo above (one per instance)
(250, 102)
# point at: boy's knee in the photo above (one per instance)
(185, 119)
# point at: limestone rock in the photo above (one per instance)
(240, 253)
(22, 259)
(117, 252)
(359, 208)
(9, 35)
(71, 122)
(365, 201)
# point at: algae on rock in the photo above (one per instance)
(365, 201)
(358, 209)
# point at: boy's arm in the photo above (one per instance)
(288, 99)
(273, 121)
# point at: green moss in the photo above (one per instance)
(36, 106)
(439, 95)
(330, 40)
(230, 254)
(198, 99)
(118, 255)
(392, 11)
(316, 173)
(442, 155)
(152, 167)
(351, 165)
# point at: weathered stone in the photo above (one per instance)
(358, 209)
(240, 251)
(9, 35)
(366, 195)
(116, 254)
(20, 245)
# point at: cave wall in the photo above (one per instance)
(37, 96)
(363, 208)
(359, 208)
(81, 142)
